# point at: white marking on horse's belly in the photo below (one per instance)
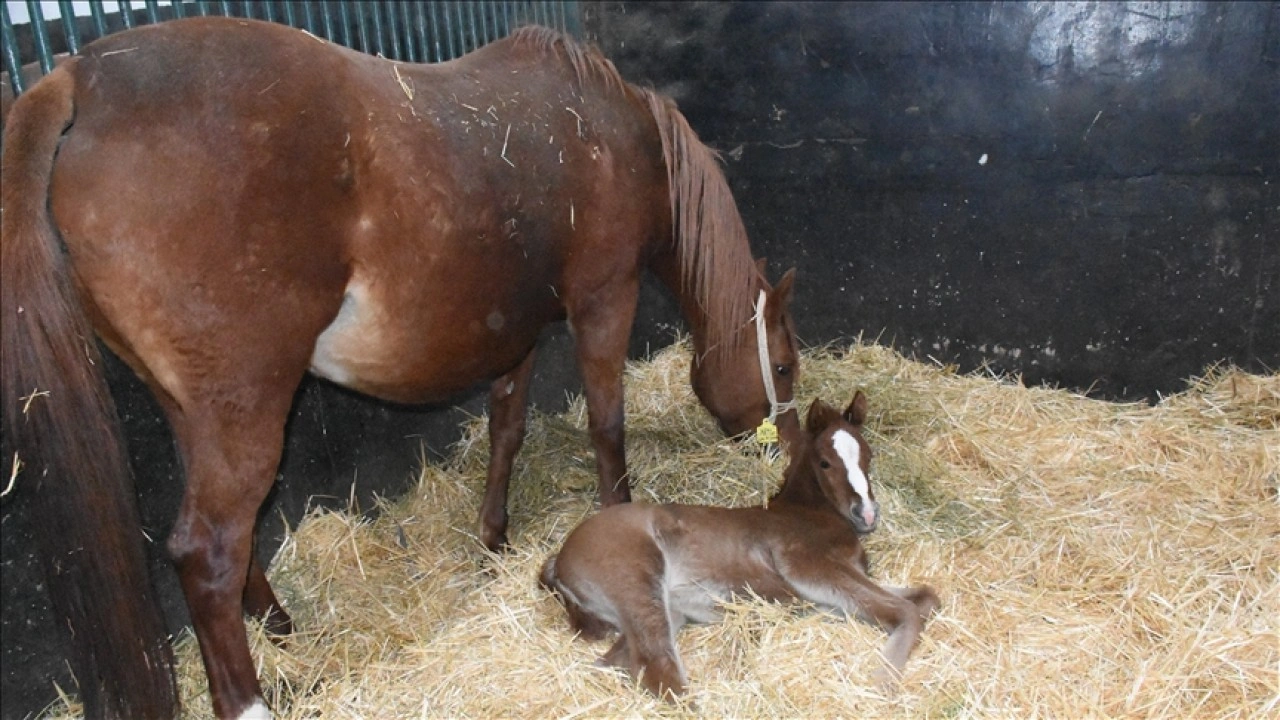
(257, 711)
(848, 450)
(350, 332)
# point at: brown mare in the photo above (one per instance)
(644, 570)
(230, 204)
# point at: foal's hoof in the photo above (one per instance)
(887, 682)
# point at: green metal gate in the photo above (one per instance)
(405, 31)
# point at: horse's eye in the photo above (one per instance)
(825, 464)
(783, 370)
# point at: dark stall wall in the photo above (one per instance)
(1082, 193)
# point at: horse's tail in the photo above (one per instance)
(59, 418)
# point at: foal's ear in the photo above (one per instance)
(856, 413)
(819, 417)
(760, 263)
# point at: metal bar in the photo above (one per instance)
(448, 33)
(362, 28)
(224, 6)
(377, 30)
(179, 9)
(344, 21)
(40, 33)
(290, 18)
(326, 21)
(406, 19)
(393, 30)
(574, 21)
(153, 11)
(471, 16)
(12, 62)
(99, 18)
(462, 29)
(435, 34)
(268, 11)
(308, 19)
(202, 8)
(69, 30)
(126, 14)
(420, 30)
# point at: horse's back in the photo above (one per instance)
(405, 230)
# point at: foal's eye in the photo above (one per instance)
(783, 370)
(825, 464)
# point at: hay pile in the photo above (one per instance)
(1093, 558)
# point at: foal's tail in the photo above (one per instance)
(61, 424)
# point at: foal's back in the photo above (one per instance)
(697, 555)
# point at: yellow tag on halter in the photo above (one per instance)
(767, 433)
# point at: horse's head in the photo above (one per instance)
(734, 388)
(840, 460)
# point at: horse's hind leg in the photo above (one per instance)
(260, 601)
(508, 397)
(231, 442)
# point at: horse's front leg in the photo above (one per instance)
(508, 397)
(601, 328)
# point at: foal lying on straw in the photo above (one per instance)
(644, 570)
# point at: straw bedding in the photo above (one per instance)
(1093, 558)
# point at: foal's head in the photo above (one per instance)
(840, 460)
(732, 386)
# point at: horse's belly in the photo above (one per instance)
(417, 350)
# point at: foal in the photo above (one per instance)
(644, 570)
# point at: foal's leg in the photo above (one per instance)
(508, 397)
(847, 589)
(231, 450)
(602, 326)
(648, 639)
(647, 647)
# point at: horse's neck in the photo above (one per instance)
(708, 266)
(798, 485)
(666, 266)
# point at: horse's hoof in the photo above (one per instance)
(495, 541)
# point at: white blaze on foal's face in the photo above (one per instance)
(850, 452)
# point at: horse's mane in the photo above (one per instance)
(715, 255)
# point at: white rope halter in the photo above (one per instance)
(768, 431)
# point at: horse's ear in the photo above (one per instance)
(819, 416)
(760, 264)
(856, 413)
(781, 295)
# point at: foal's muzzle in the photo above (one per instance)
(865, 515)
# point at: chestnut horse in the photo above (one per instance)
(230, 204)
(644, 570)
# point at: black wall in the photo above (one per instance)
(1120, 235)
